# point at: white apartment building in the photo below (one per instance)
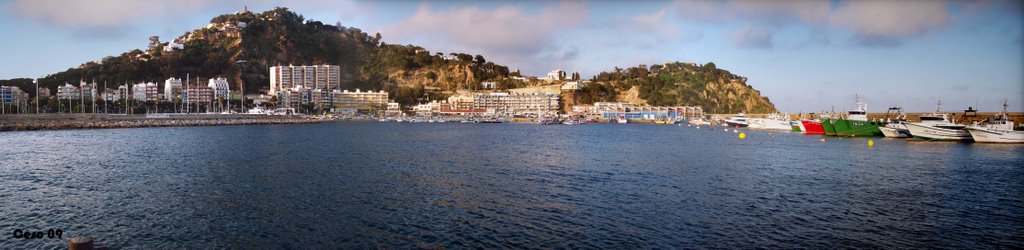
(172, 89)
(220, 87)
(516, 104)
(554, 75)
(361, 101)
(325, 77)
(68, 91)
(145, 92)
(294, 96)
(87, 90)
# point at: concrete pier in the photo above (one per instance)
(94, 121)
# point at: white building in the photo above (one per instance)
(367, 101)
(294, 96)
(554, 75)
(327, 77)
(145, 92)
(220, 87)
(172, 89)
(429, 108)
(572, 86)
(87, 90)
(68, 91)
(488, 85)
(173, 45)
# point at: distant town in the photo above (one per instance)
(315, 90)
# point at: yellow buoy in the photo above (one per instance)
(871, 143)
(742, 135)
(822, 139)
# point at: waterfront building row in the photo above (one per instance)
(13, 100)
(616, 110)
(174, 90)
(493, 104)
(338, 101)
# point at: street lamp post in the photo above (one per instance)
(241, 87)
(36, 81)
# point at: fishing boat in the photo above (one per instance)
(772, 122)
(740, 120)
(998, 129)
(813, 127)
(938, 126)
(856, 123)
(896, 127)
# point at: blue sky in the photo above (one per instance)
(805, 55)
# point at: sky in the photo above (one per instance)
(804, 55)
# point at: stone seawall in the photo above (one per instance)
(96, 121)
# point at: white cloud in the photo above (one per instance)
(107, 13)
(506, 35)
(873, 22)
(753, 37)
(891, 18)
(655, 23)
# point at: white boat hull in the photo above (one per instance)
(934, 133)
(769, 124)
(895, 131)
(995, 136)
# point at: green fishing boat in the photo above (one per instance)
(857, 123)
(826, 123)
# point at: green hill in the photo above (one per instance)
(716, 90)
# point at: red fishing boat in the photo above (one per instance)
(812, 127)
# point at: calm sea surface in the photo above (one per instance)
(402, 185)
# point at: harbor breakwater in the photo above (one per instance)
(960, 117)
(94, 121)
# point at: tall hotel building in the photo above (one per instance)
(326, 77)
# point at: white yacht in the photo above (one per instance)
(258, 110)
(938, 126)
(740, 120)
(896, 128)
(699, 122)
(998, 129)
(772, 122)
